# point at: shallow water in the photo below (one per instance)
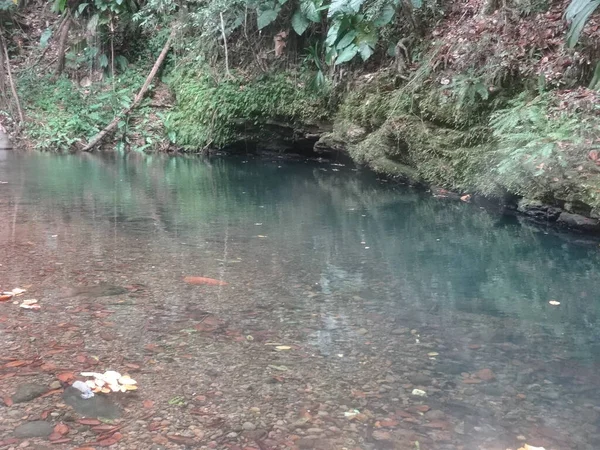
(376, 289)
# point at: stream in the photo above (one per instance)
(354, 314)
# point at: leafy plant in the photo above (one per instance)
(577, 14)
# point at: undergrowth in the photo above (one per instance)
(215, 113)
(61, 114)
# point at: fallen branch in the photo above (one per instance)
(137, 99)
(12, 83)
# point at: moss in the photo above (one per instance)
(216, 113)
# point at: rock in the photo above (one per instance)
(419, 393)
(249, 426)
(401, 330)
(380, 435)
(435, 414)
(578, 221)
(314, 431)
(362, 331)
(55, 385)
(232, 435)
(420, 379)
(485, 375)
(29, 391)
(538, 210)
(95, 407)
(37, 428)
(550, 395)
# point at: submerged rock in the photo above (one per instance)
(578, 221)
(37, 428)
(95, 407)
(538, 210)
(29, 391)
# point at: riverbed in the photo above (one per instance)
(340, 311)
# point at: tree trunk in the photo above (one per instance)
(12, 83)
(136, 101)
(62, 45)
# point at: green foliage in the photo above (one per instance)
(61, 114)
(577, 14)
(215, 113)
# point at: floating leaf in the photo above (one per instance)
(283, 347)
(554, 303)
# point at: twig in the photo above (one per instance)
(225, 44)
(137, 99)
(11, 82)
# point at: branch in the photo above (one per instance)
(137, 99)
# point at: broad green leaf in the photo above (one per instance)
(309, 9)
(45, 37)
(385, 16)
(346, 40)
(344, 6)
(579, 22)
(93, 23)
(365, 51)
(82, 7)
(299, 23)
(575, 8)
(103, 61)
(348, 53)
(332, 34)
(266, 17)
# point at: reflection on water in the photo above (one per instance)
(345, 265)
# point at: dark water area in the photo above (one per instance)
(376, 289)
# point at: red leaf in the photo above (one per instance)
(52, 392)
(48, 367)
(91, 422)
(5, 298)
(9, 441)
(81, 358)
(17, 363)
(180, 439)
(66, 377)
(103, 428)
(593, 155)
(7, 401)
(55, 436)
(45, 414)
(61, 429)
(148, 404)
(109, 441)
(204, 280)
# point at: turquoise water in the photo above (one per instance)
(400, 284)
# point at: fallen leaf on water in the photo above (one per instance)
(204, 280)
(66, 377)
(553, 303)
(433, 354)
(148, 404)
(282, 347)
(91, 422)
(7, 401)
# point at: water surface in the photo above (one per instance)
(377, 290)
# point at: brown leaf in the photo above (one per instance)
(148, 404)
(5, 298)
(48, 367)
(62, 441)
(180, 439)
(204, 280)
(109, 441)
(81, 358)
(45, 414)
(593, 155)
(55, 436)
(52, 392)
(91, 422)
(7, 401)
(61, 429)
(17, 363)
(103, 428)
(66, 377)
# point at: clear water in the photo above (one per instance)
(378, 289)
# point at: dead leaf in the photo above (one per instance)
(103, 428)
(52, 392)
(54, 436)
(554, 303)
(5, 297)
(109, 441)
(148, 404)
(91, 422)
(204, 280)
(180, 439)
(45, 414)
(61, 429)
(593, 155)
(66, 377)
(7, 401)
(17, 363)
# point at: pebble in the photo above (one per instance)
(249, 426)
